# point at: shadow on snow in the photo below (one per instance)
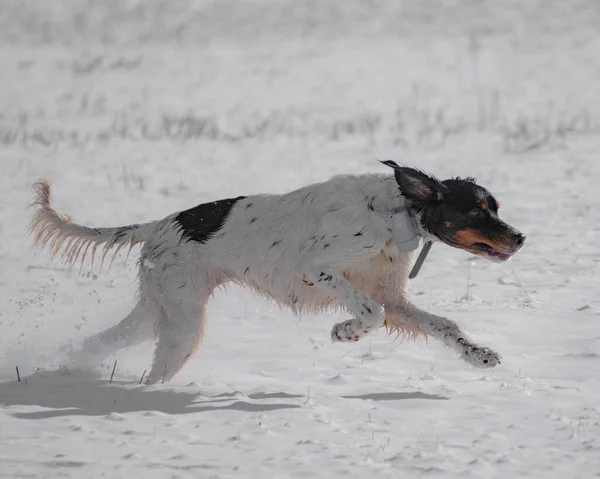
(85, 393)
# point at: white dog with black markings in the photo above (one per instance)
(325, 245)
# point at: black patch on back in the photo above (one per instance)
(201, 222)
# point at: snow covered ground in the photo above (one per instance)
(137, 109)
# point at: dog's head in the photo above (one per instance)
(459, 213)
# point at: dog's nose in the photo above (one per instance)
(518, 239)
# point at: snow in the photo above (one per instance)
(138, 109)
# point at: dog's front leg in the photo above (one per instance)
(405, 315)
(368, 315)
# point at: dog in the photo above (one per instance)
(325, 245)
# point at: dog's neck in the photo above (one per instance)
(405, 229)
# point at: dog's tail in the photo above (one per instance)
(72, 241)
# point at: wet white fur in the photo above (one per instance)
(324, 245)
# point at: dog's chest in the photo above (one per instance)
(375, 276)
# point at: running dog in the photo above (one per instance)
(325, 245)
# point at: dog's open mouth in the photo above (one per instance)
(492, 253)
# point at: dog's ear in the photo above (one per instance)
(416, 185)
(390, 163)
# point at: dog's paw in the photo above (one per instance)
(481, 357)
(348, 331)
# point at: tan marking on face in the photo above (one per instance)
(483, 206)
(466, 239)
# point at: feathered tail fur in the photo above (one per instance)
(72, 241)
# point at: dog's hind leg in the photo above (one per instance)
(368, 315)
(406, 316)
(179, 332)
(136, 328)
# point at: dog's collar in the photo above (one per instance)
(406, 235)
(420, 260)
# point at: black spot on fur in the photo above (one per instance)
(201, 222)
(370, 203)
(324, 277)
(275, 243)
(166, 266)
(155, 252)
(253, 220)
(308, 283)
(247, 269)
(249, 205)
(360, 233)
(310, 196)
(367, 308)
(325, 246)
(122, 232)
